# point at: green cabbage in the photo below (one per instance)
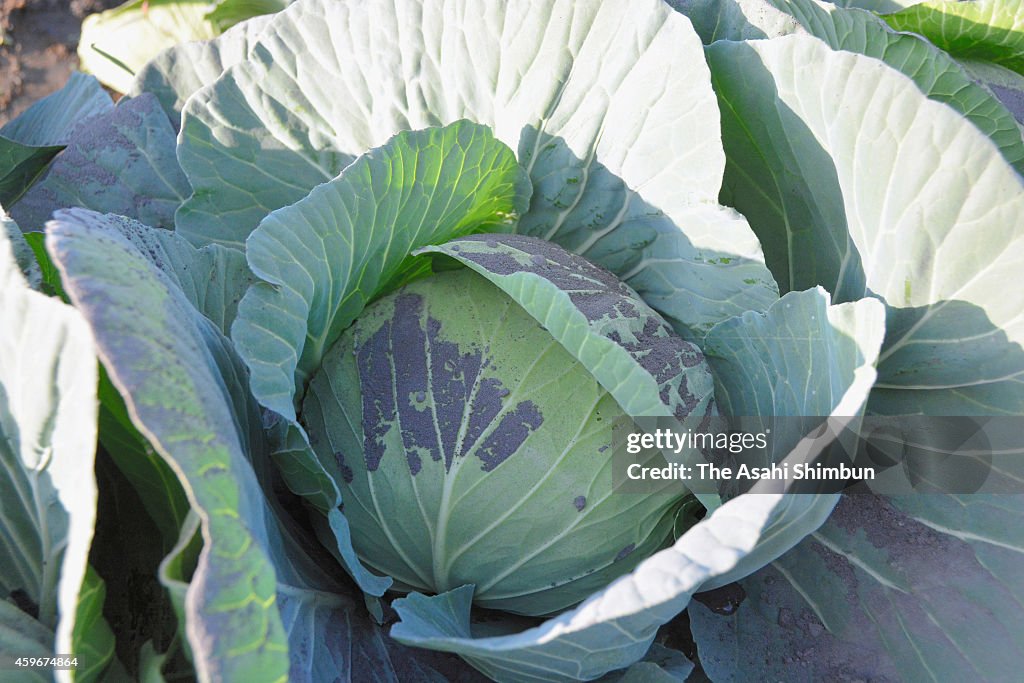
(472, 448)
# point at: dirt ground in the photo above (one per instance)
(38, 39)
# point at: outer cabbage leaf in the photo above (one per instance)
(177, 72)
(122, 162)
(564, 94)
(151, 478)
(625, 345)
(47, 445)
(872, 594)
(937, 74)
(896, 196)
(615, 626)
(51, 120)
(982, 30)
(259, 607)
(212, 278)
(29, 142)
(800, 333)
(181, 388)
(118, 42)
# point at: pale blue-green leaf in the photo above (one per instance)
(281, 114)
(931, 590)
(695, 274)
(51, 120)
(31, 140)
(937, 75)
(263, 603)
(213, 278)
(186, 393)
(330, 634)
(982, 30)
(122, 162)
(609, 109)
(117, 43)
(150, 476)
(47, 445)
(614, 627)
(625, 344)
(736, 19)
(177, 72)
(897, 196)
(803, 358)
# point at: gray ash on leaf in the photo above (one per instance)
(453, 374)
(609, 303)
(378, 402)
(595, 291)
(407, 357)
(485, 408)
(412, 458)
(346, 471)
(408, 348)
(509, 435)
(104, 167)
(666, 357)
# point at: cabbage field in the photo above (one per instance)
(517, 340)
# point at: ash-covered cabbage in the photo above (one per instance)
(472, 448)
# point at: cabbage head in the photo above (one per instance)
(472, 448)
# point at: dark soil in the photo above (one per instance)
(38, 39)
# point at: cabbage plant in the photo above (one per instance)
(370, 284)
